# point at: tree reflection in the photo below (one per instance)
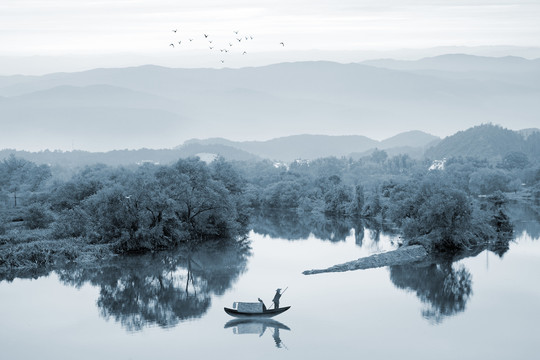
(443, 288)
(292, 226)
(525, 219)
(163, 288)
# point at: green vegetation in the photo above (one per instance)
(116, 210)
(50, 217)
(456, 208)
(489, 142)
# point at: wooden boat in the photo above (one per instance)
(265, 313)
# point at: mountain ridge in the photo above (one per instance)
(309, 147)
(271, 101)
(487, 141)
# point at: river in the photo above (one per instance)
(171, 306)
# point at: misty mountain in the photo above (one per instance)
(496, 71)
(304, 146)
(409, 139)
(92, 96)
(487, 142)
(77, 158)
(461, 63)
(311, 147)
(157, 107)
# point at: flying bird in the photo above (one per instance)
(244, 53)
(282, 44)
(205, 35)
(190, 39)
(247, 38)
(211, 47)
(236, 32)
(171, 45)
(230, 44)
(210, 41)
(175, 30)
(239, 39)
(222, 61)
(179, 42)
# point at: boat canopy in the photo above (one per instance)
(248, 307)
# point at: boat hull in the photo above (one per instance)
(264, 314)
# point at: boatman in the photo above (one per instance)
(276, 299)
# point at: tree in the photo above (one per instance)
(37, 217)
(515, 160)
(379, 156)
(359, 198)
(486, 181)
(19, 176)
(434, 210)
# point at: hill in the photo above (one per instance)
(487, 142)
(310, 147)
(461, 63)
(157, 107)
(77, 158)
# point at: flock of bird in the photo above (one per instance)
(234, 44)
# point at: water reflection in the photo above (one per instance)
(163, 288)
(441, 284)
(259, 327)
(525, 219)
(443, 288)
(291, 226)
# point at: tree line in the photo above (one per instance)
(151, 207)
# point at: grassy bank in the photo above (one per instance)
(24, 250)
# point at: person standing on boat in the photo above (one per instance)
(276, 298)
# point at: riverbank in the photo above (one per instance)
(401, 256)
(28, 253)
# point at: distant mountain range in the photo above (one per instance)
(487, 141)
(461, 63)
(156, 107)
(311, 147)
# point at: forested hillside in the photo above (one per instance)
(488, 142)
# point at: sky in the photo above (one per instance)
(44, 36)
(142, 29)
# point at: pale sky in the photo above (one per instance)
(71, 27)
(44, 36)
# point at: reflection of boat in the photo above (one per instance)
(261, 314)
(254, 326)
(258, 326)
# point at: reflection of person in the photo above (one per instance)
(264, 306)
(276, 337)
(276, 299)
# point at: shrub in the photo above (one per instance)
(37, 217)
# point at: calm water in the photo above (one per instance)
(486, 307)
